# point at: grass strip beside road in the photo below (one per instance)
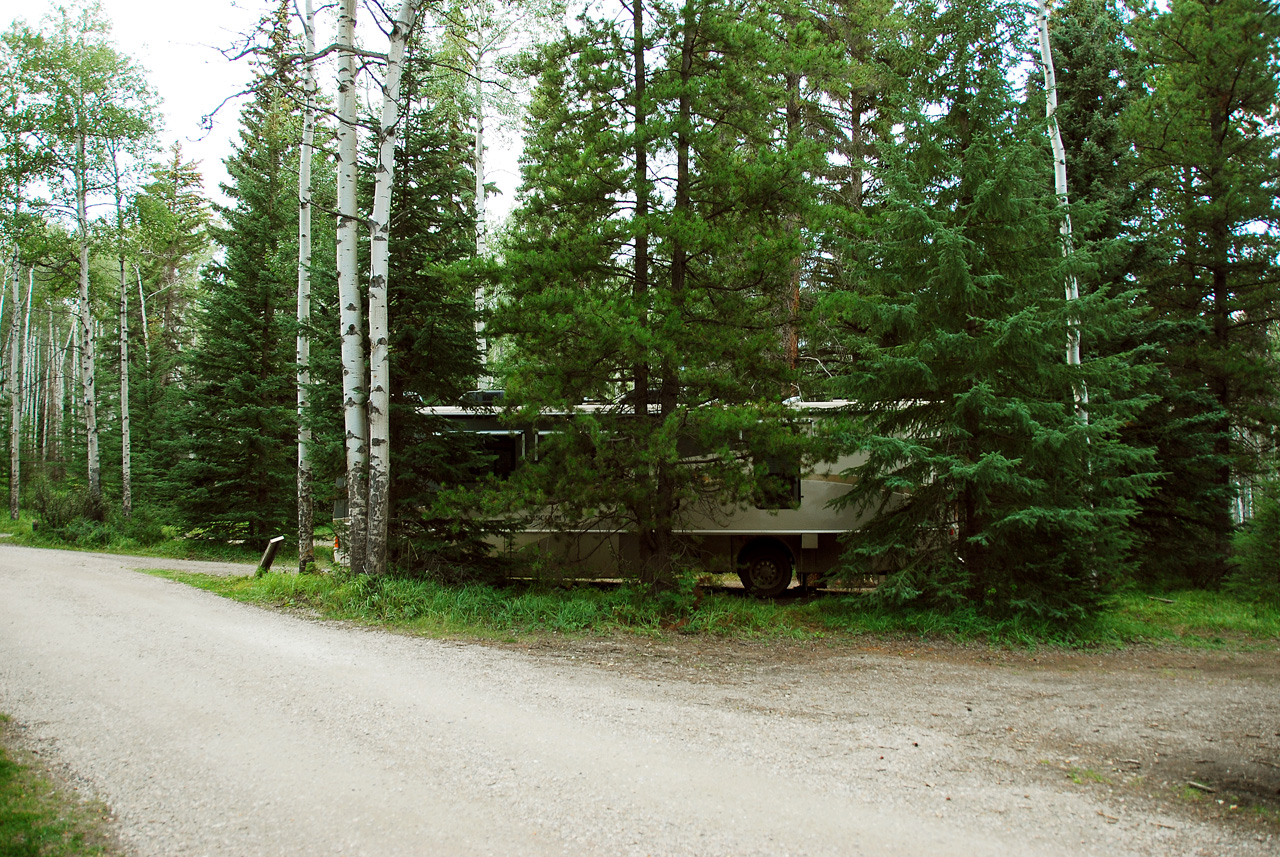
(1186, 618)
(39, 819)
(166, 544)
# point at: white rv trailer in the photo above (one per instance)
(766, 547)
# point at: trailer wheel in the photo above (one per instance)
(766, 571)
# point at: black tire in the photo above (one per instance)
(766, 572)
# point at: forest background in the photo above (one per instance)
(725, 206)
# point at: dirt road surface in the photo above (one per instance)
(214, 728)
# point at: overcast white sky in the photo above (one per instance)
(179, 43)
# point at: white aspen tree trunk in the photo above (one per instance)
(26, 314)
(46, 405)
(1060, 188)
(142, 305)
(50, 373)
(482, 234)
(14, 378)
(306, 505)
(65, 356)
(353, 362)
(85, 321)
(6, 279)
(73, 383)
(126, 457)
(30, 361)
(481, 227)
(379, 252)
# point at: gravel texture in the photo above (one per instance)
(215, 728)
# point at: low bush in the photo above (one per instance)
(59, 507)
(1256, 562)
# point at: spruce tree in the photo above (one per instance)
(685, 359)
(1097, 76)
(1205, 129)
(237, 477)
(984, 483)
(171, 217)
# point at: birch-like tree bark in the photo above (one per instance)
(142, 305)
(353, 362)
(14, 378)
(47, 406)
(30, 362)
(640, 286)
(126, 458)
(379, 251)
(66, 375)
(482, 228)
(1060, 188)
(84, 320)
(306, 507)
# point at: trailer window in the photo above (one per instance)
(780, 485)
(500, 453)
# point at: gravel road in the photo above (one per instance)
(214, 728)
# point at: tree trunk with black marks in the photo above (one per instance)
(379, 252)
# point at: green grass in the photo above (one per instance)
(39, 820)
(110, 539)
(1081, 776)
(488, 612)
(1191, 617)
(477, 611)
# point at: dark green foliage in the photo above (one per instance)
(1205, 129)
(1256, 560)
(237, 477)
(172, 221)
(684, 360)
(1096, 69)
(56, 506)
(990, 487)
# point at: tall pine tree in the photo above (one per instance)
(1206, 130)
(651, 268)
(237, 478)
(987, 485)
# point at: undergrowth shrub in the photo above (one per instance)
(58, 507)
(1256, 560)
(85, 533)
(143, 527)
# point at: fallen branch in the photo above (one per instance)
(1201, 786)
